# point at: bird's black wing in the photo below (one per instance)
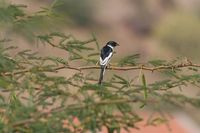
(105, 51)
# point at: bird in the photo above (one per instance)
(105, 57)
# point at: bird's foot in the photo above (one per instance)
(109, 65)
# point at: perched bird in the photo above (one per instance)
(105, 56)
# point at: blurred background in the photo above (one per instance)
(156, 29)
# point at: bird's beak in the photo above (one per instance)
(118, 44)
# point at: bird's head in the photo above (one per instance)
(112, 43)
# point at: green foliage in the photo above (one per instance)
(145, 86)
(70, 44)
(34, 97)
(10, 13)
(51, 103)
(15, 18)
(129, 60)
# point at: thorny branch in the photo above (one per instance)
(124, 68)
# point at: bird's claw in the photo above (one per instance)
(108, 66)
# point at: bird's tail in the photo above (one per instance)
(101, 74)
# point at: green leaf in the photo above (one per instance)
(6, 64)
(58, 34)
(144, 86)
(10, 13)
(91, 87)
(157, 121)
(119, 79)
(3, 83)
(93, 54)
(58, 60)
(157, 62)
(129, 60)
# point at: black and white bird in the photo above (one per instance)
(105, 57)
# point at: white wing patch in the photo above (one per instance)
(106, 60)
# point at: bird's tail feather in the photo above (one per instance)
(101, 74)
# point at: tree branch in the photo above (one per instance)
(124, 68)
